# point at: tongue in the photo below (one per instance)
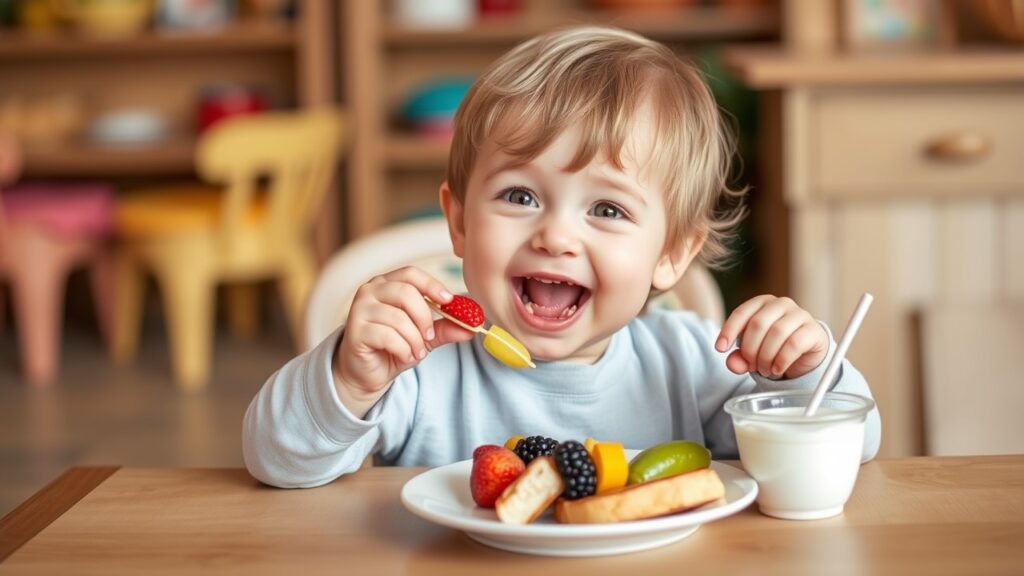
(550, 300)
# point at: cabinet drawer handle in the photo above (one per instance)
(959, 147)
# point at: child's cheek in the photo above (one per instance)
(624, 277)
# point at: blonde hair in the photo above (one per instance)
(596, 78)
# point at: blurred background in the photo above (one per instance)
(150, 282)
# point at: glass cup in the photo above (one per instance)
(805, 468)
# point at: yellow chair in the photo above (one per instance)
(273, 170)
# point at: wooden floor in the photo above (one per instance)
(99, 413)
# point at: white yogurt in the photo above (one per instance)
(805, 467)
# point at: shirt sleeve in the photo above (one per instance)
(297, 433)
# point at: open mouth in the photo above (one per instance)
(548, 299)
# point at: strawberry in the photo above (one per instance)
(465, 310)
(493, 470)
(483, 448)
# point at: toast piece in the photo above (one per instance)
(531, 494)
(644, 500)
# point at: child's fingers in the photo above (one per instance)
(802, 341)
(426, 284)
(737, 321)
(383, 337)
(736, 363)
(447, 332)
(407, 298)
(757, 328)
(398, 320)
(777, 335)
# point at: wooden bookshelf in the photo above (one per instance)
(409, 151)
(88, 160)
(165, 72)
(236, 38)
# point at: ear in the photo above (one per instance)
(674, 262)
(453, 212)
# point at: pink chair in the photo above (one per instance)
(46, 230)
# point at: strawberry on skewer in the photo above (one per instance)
(465, 312)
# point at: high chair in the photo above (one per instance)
(272, 170)
(426, 244)
(47, 230)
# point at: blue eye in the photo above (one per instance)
(607, 210)
(520, 196)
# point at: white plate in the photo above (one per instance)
(441, 495)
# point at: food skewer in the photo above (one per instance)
(496, 340)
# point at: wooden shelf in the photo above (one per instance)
(688, 24)
(237, 38)
(83, 159)
(412, 152)
(768, 67)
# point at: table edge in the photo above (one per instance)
(49, 503)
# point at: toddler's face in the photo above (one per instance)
(562, 259)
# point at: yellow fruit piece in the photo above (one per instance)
(506, 348)
(668, 459)
(589, 444)
(612, 467)
(512, 441)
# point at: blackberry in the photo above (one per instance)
(533, 446)
(577, 470)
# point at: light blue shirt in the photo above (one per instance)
(660, 379)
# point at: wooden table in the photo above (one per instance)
(910, 516)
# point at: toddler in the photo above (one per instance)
(587, 172)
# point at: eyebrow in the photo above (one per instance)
(504, 166)
(619, 183)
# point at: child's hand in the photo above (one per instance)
(390, 328)
(777, 338)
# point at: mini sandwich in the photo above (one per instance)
(531, 494)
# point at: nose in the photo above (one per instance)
(557, 235)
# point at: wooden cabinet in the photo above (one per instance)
(916, 140)
(165, 72)
(907, 186)
(394, 173)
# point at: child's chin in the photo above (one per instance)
(561, 353)
(546, 352)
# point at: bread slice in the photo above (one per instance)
(644, 500)
(531, 494)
